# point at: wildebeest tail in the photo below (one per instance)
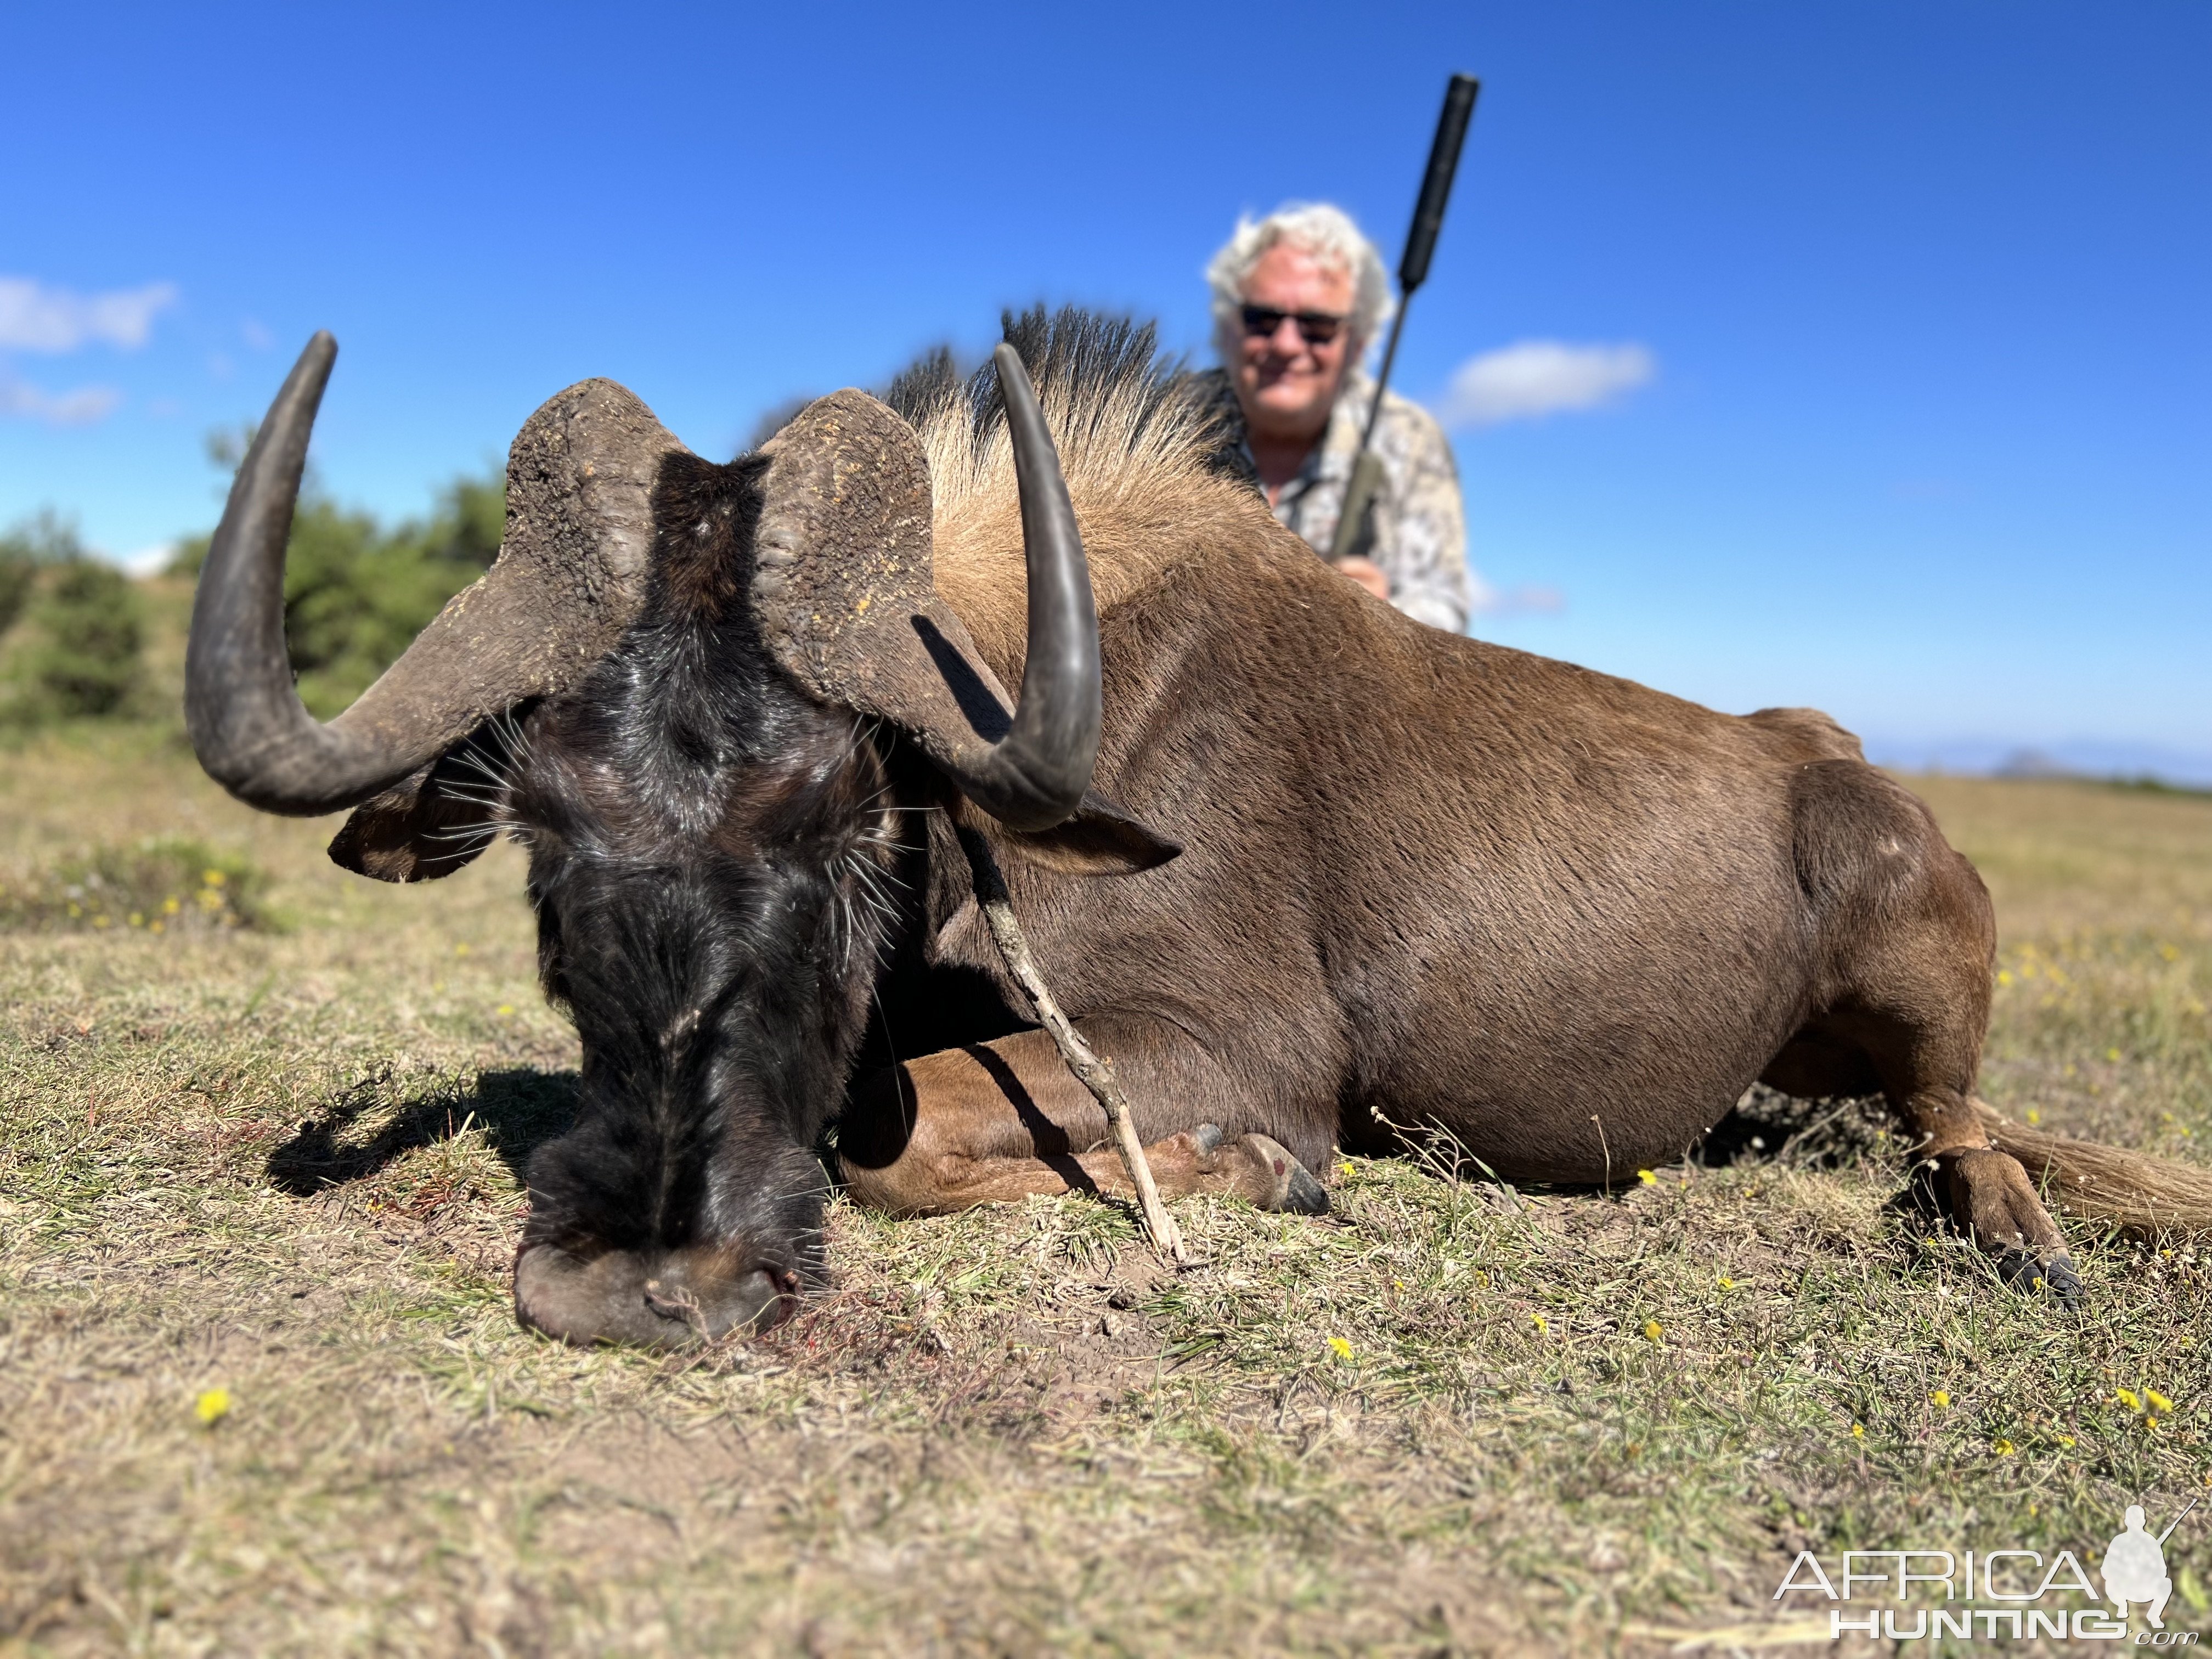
(2139, 1194)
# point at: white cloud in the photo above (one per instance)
(79, 408)
(36, 318)
(147, 561)
(1531, 378)
(1533, 601)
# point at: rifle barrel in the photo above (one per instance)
(1437, 183)
(2178, 1520)
(1413, 272)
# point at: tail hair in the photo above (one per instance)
(2129, 1190)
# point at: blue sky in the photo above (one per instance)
(1925, 434)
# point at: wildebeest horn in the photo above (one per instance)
(846, 602)
(568, 579)
(1035, 776)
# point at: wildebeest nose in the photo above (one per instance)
(659, 1299)
(681, 1306)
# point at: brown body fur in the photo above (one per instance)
(1426, 880)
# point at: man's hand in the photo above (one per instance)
(1368, 574)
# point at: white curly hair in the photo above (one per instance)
(1326, 232)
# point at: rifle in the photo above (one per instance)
(2178, 1520)
(1355, 527)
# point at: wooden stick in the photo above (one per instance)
(1092, 1069)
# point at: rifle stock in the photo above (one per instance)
(1355, 525)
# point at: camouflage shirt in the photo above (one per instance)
(1421, 530)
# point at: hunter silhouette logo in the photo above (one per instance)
(2135, 1567)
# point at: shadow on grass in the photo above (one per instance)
(1770, 1127)
(518, 1110)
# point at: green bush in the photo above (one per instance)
(356, 593)
(87, 619)
(88, 661)
(23, 549)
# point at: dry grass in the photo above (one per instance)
(1449, 1419)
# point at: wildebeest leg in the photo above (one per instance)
(1908, 935)
(1000, 1120)
(1985, 1189)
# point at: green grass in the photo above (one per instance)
(283, 1164)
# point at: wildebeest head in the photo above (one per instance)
(692, 690)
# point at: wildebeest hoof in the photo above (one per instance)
(1990, 1192)
(1209, 1138)
(1291, 1188)
(1306, 1196)
(2054, 1276)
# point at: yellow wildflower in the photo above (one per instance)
(1858, 1430)
(2158, 1401)
(1647, 1177)
(1543, 1326)
(1940, 1399)
(2127, 1397)
(1651, 1332)
(212, 1406)
(1340, 1347)
(2001, 1448)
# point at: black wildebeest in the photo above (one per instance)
(750, 721)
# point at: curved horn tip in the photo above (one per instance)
(1040, 771)
(241, 708)
(1015, 385)
(313, 363)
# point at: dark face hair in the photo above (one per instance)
(687, 686)
(712, 863)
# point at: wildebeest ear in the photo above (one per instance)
(1102, 839)
(427, 825)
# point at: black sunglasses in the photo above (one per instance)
(1314, 327)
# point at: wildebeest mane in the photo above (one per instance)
(1151, 452)
(1113, 399)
